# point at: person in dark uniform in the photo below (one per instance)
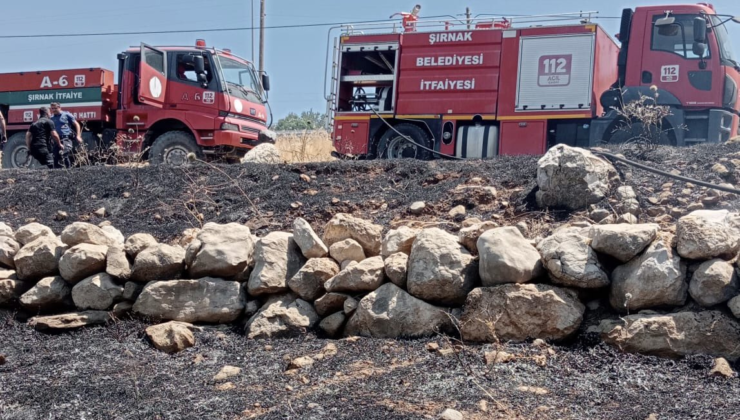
(68, 130)
(3, 133)
(39, 139)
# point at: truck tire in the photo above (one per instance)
(15, 153)
(173, 148)
(394, 144)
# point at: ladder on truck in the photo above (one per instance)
(435, 24)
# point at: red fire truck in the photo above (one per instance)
(167, 102)
(510, 86)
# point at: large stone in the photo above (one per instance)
(398, 240)
(714, 282)
(263, 153)
(343, 226)
(468, 236)
(440, 270)
(11, 290)
(573, 178)
(38, 259)
(8, 248)
(69, 321)
(570, 260)
(205, 300)
(132, 290)
(225, 251)
(623, 242)
(706, 234)
(332, 325)
(31, 232)
(114, 234)
(86, 233)
(277, 259)
(347, 250)
(82, 261)
(365, 276)
(330, 303)
(6, 230)
(171, 337)
(507, 257)
(518, 312)
(308, 283)
(49, 294)
(396, 269)
(656, 278)
(98, 292)
(117, 265)
(282, 316)
(137, 243)
(734, 305)
(311, 245)
(675, 335)
(390, 312)
(159, 262)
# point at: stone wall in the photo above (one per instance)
(669, 294)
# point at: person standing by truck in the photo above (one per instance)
(39, 139)
(68, 130)
(3, 133)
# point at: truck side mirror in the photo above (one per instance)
(265, 82)
(699, 49)
(700, 30)
(200, 70)
(199, 63)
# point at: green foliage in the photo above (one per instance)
(308, 120)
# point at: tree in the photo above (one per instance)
(308, 120)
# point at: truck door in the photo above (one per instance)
(153, 76)
(669, 62)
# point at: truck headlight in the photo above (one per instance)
(229, 127)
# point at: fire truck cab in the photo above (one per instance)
(509, 86)
(168, 102)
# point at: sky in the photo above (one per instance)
(294, 58)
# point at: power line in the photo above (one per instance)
(185, 31)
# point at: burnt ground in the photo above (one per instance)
(165, 201)
(113, 373)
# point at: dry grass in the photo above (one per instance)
(306, 146)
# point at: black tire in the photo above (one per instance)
(15, 153)
(173, 148)
(395, 145)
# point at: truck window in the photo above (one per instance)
(185, 69)
(155, 59)
(677, 38)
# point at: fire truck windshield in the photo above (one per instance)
(723, 39)
(241, 80)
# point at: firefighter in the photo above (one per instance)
(3, 133)
(39, 139)
(68, 130)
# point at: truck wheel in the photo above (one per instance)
(173, 148)
(395, 144)
(15, 153)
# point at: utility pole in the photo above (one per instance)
(262, 36)
(252, 31)
(468, 15)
